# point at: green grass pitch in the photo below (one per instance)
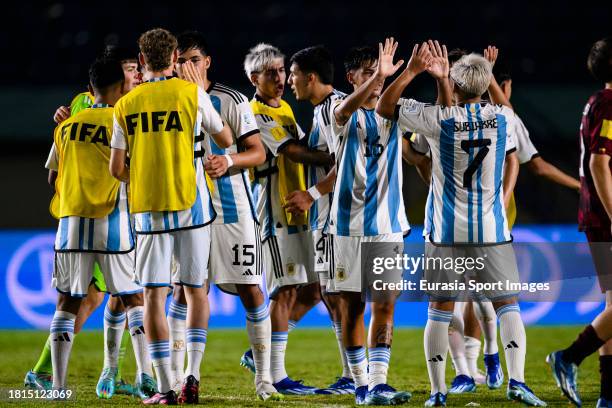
(312, 355)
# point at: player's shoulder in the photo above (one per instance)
(601, 101)
(227, 93)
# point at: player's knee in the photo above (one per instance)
(446, 306)
(133, 300)
(509, 301)
(383, 308)
(67, 303)
(178, 294)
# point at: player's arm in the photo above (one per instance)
(384, 69)
(299, 153)
(118, 160)
(542, 168)
(298, 202)
(52, 164)
(439, 69)
(511, 170)
(419, 61)
(250, 152)
(496, 94)
(419, 160)
(602, 178)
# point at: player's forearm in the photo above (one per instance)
(511, 170)
(602, 178)
(388, 100)
(253, 155)
(301, 154)
(496, 94)
(542, 168)
(424, 170)
(353, 101)
(326, 185)
(445, 92)
(51, 178)
(117, 165)
(223, 139)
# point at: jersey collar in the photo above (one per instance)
(163, 78)
(101, 105)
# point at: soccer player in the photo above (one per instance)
(594, 218)
(468, 147)
(286, 241)
(94, 223)
(156, 124)
(235, 254)
(311, 78)
(367, 207)
(40, 376)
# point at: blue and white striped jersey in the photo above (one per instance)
(318, 139)
(231, 195)
(110, 234)
(468, 147)
(368, 190)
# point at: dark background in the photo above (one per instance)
(47, 47)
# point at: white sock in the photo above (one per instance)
(456, 341)
(472, 352)
(196, 343)
(436, 347)
(139, 342)
(114, 325)
(292, 324)
(160, 356)
(62, 336)
(358, 364)
(177, 316)
(346, 370)
(485, 313)
(259, 329)
(277, 356)
(512, 333)
(378, 365)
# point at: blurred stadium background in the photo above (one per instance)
(48, 47)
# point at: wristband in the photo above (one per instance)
(230, 162)
(314, 193)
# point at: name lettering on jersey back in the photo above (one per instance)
(85, 132)
(478, 125)
(153, 122)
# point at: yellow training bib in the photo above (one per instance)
(291, 175)
(84, 186)
(158, 119)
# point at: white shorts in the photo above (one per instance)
(321, 256)
(235, 255)
(346, 258)
(189, 248)
(73, 272)
(288, 260)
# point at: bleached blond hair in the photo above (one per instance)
(261, 57)
(472, 74)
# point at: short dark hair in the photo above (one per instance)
(157, 46)
(455, 54)
(600, 60)
(317, 60)
(357, 57)
(121, 53)
(105, 72)
(192, 39)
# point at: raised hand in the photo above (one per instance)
(386, 68)
(490, 54)
(188, 72)
(439, 67)
(420, 59)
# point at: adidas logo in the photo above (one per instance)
(62, 337)
(247, 273)
(436, 359)
(512, 344)
(319, 260)
(139, 330)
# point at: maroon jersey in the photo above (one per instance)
(595, 138)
